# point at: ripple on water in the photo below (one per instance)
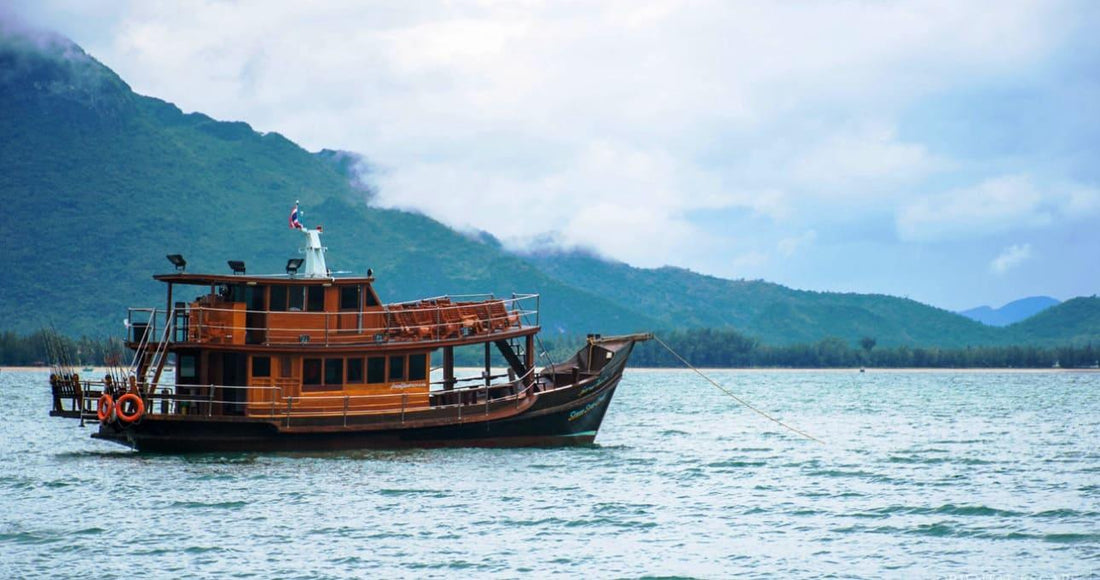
(948, 509)
(926, 474)
(223, 505)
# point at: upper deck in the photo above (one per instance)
(285, 312)
(309, 307)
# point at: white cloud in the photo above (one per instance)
(1080, 201)
(749, 260)
(868, 154)
(640, 129)
(789, 246)
(1000, 204)
(994, 205)
(1010, 258)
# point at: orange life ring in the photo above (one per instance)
(103, 407)
(139, 408)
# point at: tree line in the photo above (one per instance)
(731, 349)
(701, 347)
(33, 349)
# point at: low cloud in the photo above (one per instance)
(713, 135)
(789, 246)
(1010, 258)
(864, 156)
(996, 205)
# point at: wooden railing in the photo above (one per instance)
(271, 402)
(425, 320)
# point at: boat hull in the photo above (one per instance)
(555, 427)
(565, 416)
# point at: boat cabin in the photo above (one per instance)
(317, 341)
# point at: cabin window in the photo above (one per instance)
(261, 366)
(370, 298)
(237, 293)
(334, 371)
(254, 297)
(397, 367)
(187, 366)
(315, 298)
(295, 299)
(418, 366)
(311, 371)
(278, 298)
(349, 297)
(355, 370)
(376, 370)
(286, 368)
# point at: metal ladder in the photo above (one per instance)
(150, 374)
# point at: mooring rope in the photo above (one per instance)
(733, 396)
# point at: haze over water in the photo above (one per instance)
(924, 474)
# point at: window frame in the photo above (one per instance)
(390, 376)
(278, 298)
(182, 366)
(421, 369)
(266, 362)
(314, 298)
(373, 366)
(348, 363)
(296, 298)
(356, 302)
(307, 371)
(334, 369)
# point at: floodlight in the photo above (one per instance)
(292, 266)
(177, 261)
(237, 266)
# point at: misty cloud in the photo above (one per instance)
(1010, 258)
(711, 136)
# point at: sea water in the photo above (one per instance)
(922, 474)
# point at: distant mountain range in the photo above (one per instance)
(99, 183)
(1012, 312)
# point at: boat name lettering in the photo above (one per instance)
(578, 413)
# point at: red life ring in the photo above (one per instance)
(104, 407)
(139, 408)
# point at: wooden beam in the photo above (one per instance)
(510, 356)
(529, 356)
(448, 368)
(488, 366)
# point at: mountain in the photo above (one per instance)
(98, 184)
(1012, 312)
(772, 313)
(1073, 322)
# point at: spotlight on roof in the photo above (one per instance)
(237, 266)
(370, 272)
(292, 266)
(177, 261)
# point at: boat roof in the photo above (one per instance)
(270, 279)
(310, 270)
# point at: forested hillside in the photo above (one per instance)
(772, 313)
(99, 183)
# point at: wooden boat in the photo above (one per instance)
(311, 360)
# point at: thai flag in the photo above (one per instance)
(294, 223)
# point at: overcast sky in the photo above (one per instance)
(944, 151)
